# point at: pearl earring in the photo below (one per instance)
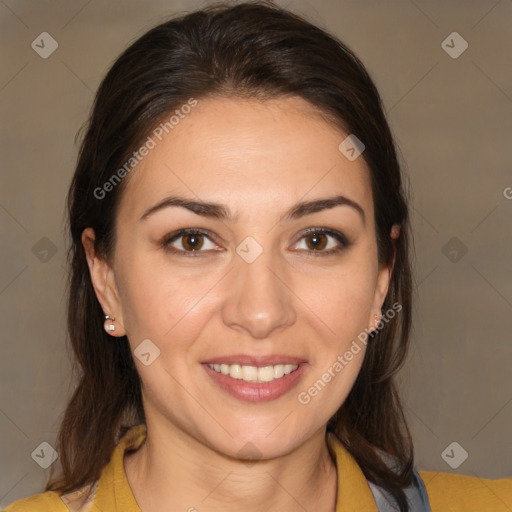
(108, 325)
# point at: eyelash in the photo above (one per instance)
(168, 239)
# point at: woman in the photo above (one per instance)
(240, 293)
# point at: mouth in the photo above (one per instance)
(254, 373)
(254, 379)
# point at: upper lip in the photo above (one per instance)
(248, 360)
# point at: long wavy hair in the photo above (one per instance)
(246, 50)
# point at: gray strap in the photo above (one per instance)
(416, 496)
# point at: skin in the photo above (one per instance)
(258, 159)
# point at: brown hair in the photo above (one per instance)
(249, 50)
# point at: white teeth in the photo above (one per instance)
(288, 368)
(254, 373)
(266, 373)
(235, 371)
(278, 371)
(249, 373)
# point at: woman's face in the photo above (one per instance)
(249, 282)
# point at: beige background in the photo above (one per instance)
(453, 122)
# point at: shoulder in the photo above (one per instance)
(450, 492)
(76, 501)
(42, 502)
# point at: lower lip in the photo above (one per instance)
(257, 392)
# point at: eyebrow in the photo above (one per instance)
(221, 212)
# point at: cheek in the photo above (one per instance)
(345, 301)
(159, 303)
(341, 300)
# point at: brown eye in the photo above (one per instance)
(316, 241)
(322, 242)
(189, 242)
(193, 241)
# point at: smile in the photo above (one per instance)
(255, 383)
(254, 373)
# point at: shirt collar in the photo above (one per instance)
(114, 493)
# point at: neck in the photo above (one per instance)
(177, 472)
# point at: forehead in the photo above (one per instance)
(250, 155)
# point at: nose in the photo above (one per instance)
(259, 300)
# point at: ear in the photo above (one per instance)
(103, 282)
(383, 280)
(381, 289)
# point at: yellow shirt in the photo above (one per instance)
(447, 492)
